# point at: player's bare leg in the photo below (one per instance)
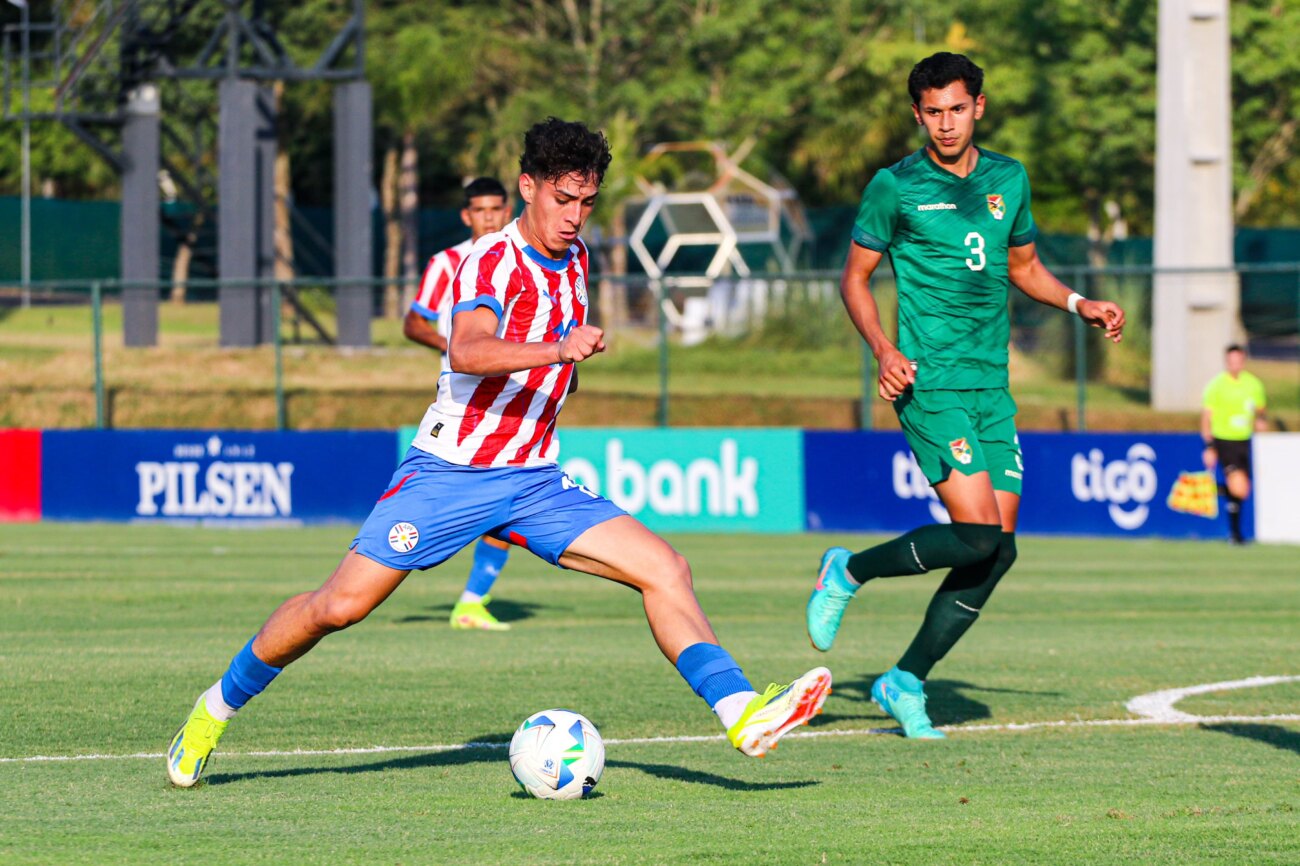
(356, 587)
(624, 550)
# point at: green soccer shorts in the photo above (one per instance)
(969, 431)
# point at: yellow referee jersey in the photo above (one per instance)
(1233, 404)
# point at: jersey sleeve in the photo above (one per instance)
(480, 282)
(1207, 394)
(1023, 230)
(878, 214)
(433, 284)
(1261, 401)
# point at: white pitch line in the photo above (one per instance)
(1160, 705)
(1011, 727)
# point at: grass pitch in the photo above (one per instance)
(107, 634)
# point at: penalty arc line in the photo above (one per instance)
(1155, 708)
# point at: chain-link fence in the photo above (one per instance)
(684, 351)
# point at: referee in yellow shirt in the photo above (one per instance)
(1233, 409)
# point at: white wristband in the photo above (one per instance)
(1072, 302)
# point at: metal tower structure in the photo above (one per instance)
(133, 80)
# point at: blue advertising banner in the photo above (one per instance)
(1119, 484)
(204, 476)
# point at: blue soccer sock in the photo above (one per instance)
(713, 674)
(246, 677)
(488, 562)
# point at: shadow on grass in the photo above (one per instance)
(489, 747)
(947, 701)
(1272, 735)
(698, 777)
(503, 609)
(520, 795)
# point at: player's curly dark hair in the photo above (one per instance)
(939, 70)
(555, 148)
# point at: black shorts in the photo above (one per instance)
(1234, 455)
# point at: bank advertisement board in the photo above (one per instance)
(1118, 484)
(206, 476)
(740, 479)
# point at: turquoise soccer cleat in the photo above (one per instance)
(830, 596)
(901, 695)
(188, 754)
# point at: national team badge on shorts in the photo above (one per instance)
(402, 537)
(580, 289)
(997, 206)
(961, 452)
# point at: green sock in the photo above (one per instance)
(942, 545)
(955, 607)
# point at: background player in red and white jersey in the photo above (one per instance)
(428, 322)
(484, 462)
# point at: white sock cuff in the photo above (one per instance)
(216, 704)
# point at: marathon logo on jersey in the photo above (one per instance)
(225, 487)
(997, 206)
(910, 483)
(403, 537)
(1127, 485)
(961, 451)
(943, 205)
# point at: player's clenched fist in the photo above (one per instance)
(1104, 314)
(581, 343)
(896, 374)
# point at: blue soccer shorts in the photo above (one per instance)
(433, 508)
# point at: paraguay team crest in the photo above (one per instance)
(997, 206)
(580, 289)
(402, 537)
(961, 452)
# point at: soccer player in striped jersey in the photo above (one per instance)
(484, 463)
(428, 322)
(956, 223)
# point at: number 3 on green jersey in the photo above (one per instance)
(948, 238)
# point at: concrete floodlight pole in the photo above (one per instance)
(1194, 315)
(237, 211)
(352, 223)
(140, 253)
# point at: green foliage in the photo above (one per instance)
(817, 88)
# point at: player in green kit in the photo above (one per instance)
(956, 223)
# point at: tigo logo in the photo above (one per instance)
(1131, 481)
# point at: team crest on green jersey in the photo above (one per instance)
(997, 206)
(961, 451)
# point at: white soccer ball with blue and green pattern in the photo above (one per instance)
(557, 755)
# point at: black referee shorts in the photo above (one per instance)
(1234, 455)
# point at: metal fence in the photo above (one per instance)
(685, 350)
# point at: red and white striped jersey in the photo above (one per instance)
(433, 301)
(509, 420)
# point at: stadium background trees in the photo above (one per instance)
(813, 89)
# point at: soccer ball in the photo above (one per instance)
(557, 755)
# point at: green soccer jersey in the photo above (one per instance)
(947, 237)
